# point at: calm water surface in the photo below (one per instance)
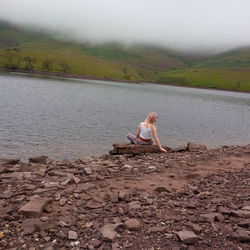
(74, 118)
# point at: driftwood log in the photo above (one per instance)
(134, 149)
(120, 149)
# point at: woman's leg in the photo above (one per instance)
(134, 140)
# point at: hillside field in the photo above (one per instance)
(29, 50)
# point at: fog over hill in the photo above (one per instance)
(190, 25)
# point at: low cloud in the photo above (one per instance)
(182, 24)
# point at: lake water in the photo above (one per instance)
(66, 118)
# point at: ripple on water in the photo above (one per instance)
(70, 119)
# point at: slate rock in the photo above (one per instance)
(195, 147)
(39, 159)
(132, 224)
(72, 235)
(107, 232)
(187, 237)
(244, 223)
(241, 236)
(12, 161)
(241, 213)
(35, 206)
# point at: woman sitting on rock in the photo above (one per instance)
(145, 132)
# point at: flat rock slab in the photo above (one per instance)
(187, 237)
(241, 213)
(195, 147)
(108, 233)
(39, 159)
(35, 206)
(241, 236)
(12, 161)
(120, 149)
(72, 235)
(132, 224)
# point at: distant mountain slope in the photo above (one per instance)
(236, 58)
(140, 62)
(29, 50)
(12, 35)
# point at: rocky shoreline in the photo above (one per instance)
(184, 199)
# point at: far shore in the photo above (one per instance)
(39, 73)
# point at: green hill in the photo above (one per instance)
(237, 58)
(228, 70)
(109, 61)
(29, 50)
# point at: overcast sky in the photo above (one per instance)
(215, 25)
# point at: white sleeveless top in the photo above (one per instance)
(145, 132)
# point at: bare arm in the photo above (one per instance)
(156, 138)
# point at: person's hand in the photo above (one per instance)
(163, 149)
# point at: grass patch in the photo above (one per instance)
(209, 78)
(109, 53)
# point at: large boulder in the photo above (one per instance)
(120, 149)
(195, 147)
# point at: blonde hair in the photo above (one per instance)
(151, 117)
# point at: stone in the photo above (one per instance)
(120, 149)
(18, 176)
(218, 200)
(76, 179)
(115, 246)
(196, 228)
(76, 196)
(162, 189)
(246, 208)
(85, 160)
(212, 217)
(241, 213)
(113, 197)
(43, 190)
(244, 223)
(132, 224)
(122, 195)
(88, 171)
(108, 233)
(88, 186)
(224, 210)
(12, 161)
(134, 205)
(39, 159)
(51, 184)
(157, 229)
(72, 235)
(62, 202)
(61, 234)
(66, 182)
(241, 236)
(35, 206)
(28, 226)
(195, 147)
(187, 237)
(57, 196)
(95, 243)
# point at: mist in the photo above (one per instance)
(187, 25)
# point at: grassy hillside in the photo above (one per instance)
(28, 50)
(237, 58)
(24, 49)
(208, 78)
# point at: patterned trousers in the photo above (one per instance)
(135, 140)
